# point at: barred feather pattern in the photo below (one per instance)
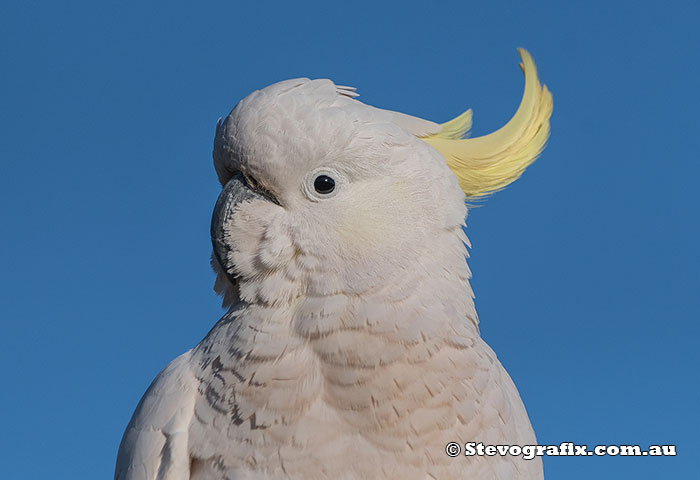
(309, 387)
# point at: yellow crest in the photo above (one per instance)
(486, 164)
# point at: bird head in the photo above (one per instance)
(323, 194)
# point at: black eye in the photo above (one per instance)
(324, 184)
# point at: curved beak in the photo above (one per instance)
(233, 194)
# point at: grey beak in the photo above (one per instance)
(233, 194)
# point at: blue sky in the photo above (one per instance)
(585, 270)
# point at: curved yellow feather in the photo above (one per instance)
(486, 164)
(457, 127)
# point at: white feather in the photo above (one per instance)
(351, 349)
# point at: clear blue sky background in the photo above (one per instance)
(585, 270)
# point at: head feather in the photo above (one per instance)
(486, 164)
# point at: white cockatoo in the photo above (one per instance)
(351, 346)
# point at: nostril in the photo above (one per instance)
(252, 182)
(258, 187)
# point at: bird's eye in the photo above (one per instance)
(324, 184)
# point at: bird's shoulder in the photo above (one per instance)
(155, 442)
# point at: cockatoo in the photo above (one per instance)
(351, 347)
